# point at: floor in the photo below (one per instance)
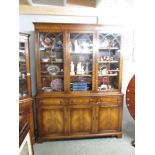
(95, 146)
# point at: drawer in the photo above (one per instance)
(52, 101)
(108, 99)
(80, 100)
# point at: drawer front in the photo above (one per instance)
(107, 99)
(81, 100)
(52, 101)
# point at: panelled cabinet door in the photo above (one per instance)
(109, 57)
(108, 118)
(52, 120)
(51, 62)
(81, 119)
(26, 108)
(24, 67)
(81, 61)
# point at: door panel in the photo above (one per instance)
(114, 118)
(52, 120)
(26, 108)
(81, 119)
(108, 118)
(103, 119)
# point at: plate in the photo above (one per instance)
(46, 89)
(53, 69)
(58, 60)
(45, 59)
(57, 84)
(47, 41)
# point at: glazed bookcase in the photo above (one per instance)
(79, 76)
(25, 99)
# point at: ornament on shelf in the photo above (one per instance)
(53, 55)
(79, 65)
(80, 69)
(70, 47)
(103, 87)
(87, 70)
(104, 71)
(102, 59)
(72, 69)
(76, 45)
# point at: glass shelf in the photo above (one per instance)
(81, 52)
(51, 76)
(109, 75)
(81, 75)
(52, 62)
(108, 61)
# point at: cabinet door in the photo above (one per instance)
(81, 61)
(81, 119)
(24, 67)
(51, 62)
(108, 118)
(26, 108)
(52, 120)
(109, 64)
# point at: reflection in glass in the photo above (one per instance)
(108, 61)
(81, 56)
(23, 90)
(52, 61)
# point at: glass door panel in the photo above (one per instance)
(51, 61)
(81, 59)
(23, 90)
(108, 61)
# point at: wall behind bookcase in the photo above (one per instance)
(26, 25)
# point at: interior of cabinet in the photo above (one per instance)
(81, 60)
(52, 61)
(108, 61)
(25, 99)
(23, 85)
(24, 67)
(78, 56)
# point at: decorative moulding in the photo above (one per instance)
(47, 2)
